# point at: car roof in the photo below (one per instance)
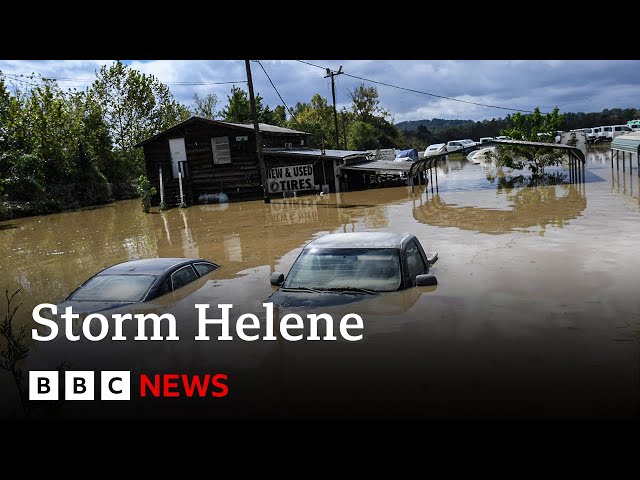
(438, 145)
(359, 240)
(148, 266)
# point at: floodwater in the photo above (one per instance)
(536, 314)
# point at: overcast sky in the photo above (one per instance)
(572, 85)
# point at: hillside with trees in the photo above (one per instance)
(427, 132)
(433, 124)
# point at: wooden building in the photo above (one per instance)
(213, 157)
(220, 157)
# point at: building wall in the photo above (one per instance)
(240, 179)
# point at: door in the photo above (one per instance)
(178, 154)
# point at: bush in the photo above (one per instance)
(146, 191)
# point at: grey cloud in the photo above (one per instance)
(572, 85)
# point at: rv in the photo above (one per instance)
(599, 134)
(614, 131)
(634, 125)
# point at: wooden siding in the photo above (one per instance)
(240, 179)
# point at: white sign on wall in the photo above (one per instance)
(178, 154)
(290, 178)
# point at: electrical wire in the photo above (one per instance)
(419, 91)
(281, 99)
(87, 80)
(16, 78)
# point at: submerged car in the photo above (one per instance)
(136, 281)
(343, 267)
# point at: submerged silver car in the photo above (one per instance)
(343, 267)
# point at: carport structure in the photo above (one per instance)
(577, 159)
(629, 143)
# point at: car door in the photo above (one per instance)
(415, 261)
(184, 281)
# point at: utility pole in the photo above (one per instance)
(333, 93)
(254, 114)
(344, 128)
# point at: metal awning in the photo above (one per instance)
(381, 166)
(431, 161)
(627, 143)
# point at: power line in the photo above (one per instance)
(281, 99)
(16, 78)
(421, 92)
(87, 80)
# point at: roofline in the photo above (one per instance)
(217, 123)
(268, 151)
(179, 261)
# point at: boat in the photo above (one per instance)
(480, 156)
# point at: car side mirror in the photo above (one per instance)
(426, 280)
(432, 257)
(277, 278)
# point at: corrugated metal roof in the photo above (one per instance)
(316, 152)
(380, 166)
(382, 154)
(627, 143)
(265, 127)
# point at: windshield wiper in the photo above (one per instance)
(300, 289)
(352, 289)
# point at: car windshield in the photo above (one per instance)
(369, 268)
(114, 288)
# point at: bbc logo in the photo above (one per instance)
(79, 385)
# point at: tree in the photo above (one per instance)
(366, 104)
(205, 107)
(315, 117)
(278, 116)
(135, 106)
(238, 108)
(370, 128)
(363, 136)
(534, 127)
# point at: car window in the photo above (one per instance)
(183, 276)
(165, 288)
(204, 268)
(415, 263)
(116, 288)
(372, 268)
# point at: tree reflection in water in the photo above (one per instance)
(534, 202)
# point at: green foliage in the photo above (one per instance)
(365, 104)
(362, 136)
(68, 149)
(365, 125)
(316, 118)
(279, 116)
(421, 133)
(369, 126)
(433, 124)
(238, 108)
(205, 107)
(534, 127)
(134, 106)
(145, 191)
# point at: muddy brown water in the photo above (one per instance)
(536, 314)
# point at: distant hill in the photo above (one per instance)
(433, 124)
